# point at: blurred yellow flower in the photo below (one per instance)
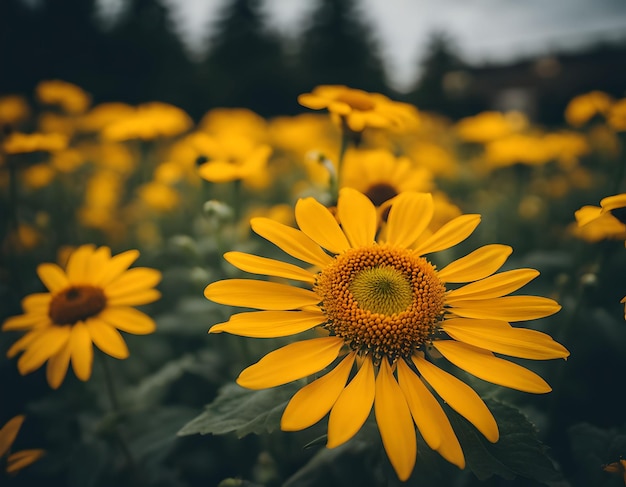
(104, 114)
(13, 109)
(71, 98)
(18, 460)
(220, 121)
(231, 157)
(491, 125)
(148, 121)
(38, 176)
(381, 176)
(617, 116)
(360, 109)
(158, 196)
(385, 310)
(18, 143)
(87, 304)
(607, 221)
(583, 108)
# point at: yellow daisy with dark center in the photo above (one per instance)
(88, 303)
(383, 309)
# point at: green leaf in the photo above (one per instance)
(242, 411)
(518, 452)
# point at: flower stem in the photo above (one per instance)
(117, 412)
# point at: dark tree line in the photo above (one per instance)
(139, 58)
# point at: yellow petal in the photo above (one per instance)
(136, 298)
(77, 270)
(394, 422)
(128, 319)
(587, 214)
(270, 324)
(47, 343)
(476, 265)
(56, 370)
(98, 265)
(291, 362)
(268, 267)
(500, 337)
(313, 401)
(81, 351)
(52, 276)
(452, 233)
(353, 406)
(24, 322)
(484, 365)
(23, 343)
(220, 171)
(613, 202)
(494, 286)
(507, 308)
(460, 397)
(259, 294)
(21, 459)
(292, 241)
(132, 281)
(357, 215)
(107, 338)
(37, 302)
(320, 225)
(9, 432)
(117, 266)
(409, 216)
(429, 416)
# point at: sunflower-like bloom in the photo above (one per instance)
(386, 312)
(607, 221)
(18, 460)
(583, 108)
(86, 304)
(360, 109)
(19, 143)
(148, 121)
(71, 98)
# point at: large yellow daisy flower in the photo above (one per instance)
(87, 303)
(388, 313)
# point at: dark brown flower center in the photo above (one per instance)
(380, 192)
(76, 303)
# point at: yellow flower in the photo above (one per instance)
(387, 311)
(617, 116)
(71, 98)
(20, 459)
(159, 196)
(18, 143)
(606, 221)
(381, 176)
(360, 109)
(230, 157)
(148, 121)
(488, 126)
(86, 304)
(583, 108)
(13, 109)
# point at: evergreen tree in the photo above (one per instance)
(246, 66)
(337, 48)
(434, 90)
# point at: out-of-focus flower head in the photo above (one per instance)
(148, 121)
(13, 109)
(230, 157)
(19, 143)
(87, 303)
(607, 221)
(70, 98)
(104, 114)
(490, 125)
(158, 196)
(15, 461)
(360, 109)
(381, 176)
(226, 121)
(583, 108)
(617, 116)
(618, 467)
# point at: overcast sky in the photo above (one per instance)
(484, 30)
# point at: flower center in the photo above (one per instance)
(76, 303)
(356, 100)
(380, 192)
(381, 300)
